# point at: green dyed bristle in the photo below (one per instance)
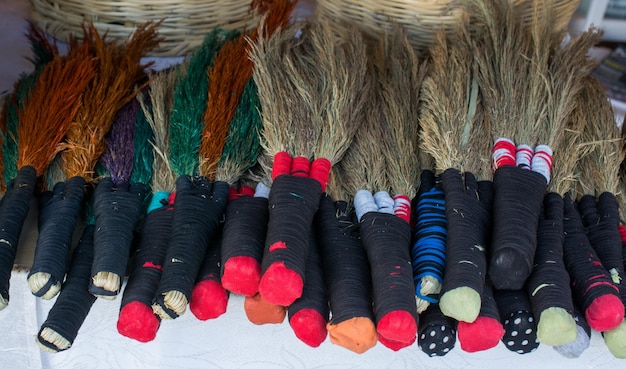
(190, 101)
(89, 216)
(9, 141)
(142, 168)
(242, 146)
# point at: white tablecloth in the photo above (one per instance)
(231, 341)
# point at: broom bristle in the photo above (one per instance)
(157, 115)
(55, 98)
(602, 142)
(401, 73)
(119, 71)
(453, 129)
(340, 70)
(287, 123)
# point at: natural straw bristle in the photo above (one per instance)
(37, 281)
(363, 166)
(340, 76)
(602, 143)
(453, 130)
(571, 148)
(107, 281)
(51, 336)
(401, 72)
(286, 125)
(157, 114)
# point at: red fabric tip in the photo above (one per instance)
(605, 313)
(242, 275)
(503, 153)
(137, 321)
(208, 300)
(280, 285)
(246, 190)
(622, 232)
(394, 345)
(402, 207)
(309, 326)
(300, 166)
(320, 171)
(232, 194)
(172, 198)
(282, 164)
(398, 325)
(484, 333)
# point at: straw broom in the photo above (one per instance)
(54, 98)
(549, 285)
(599, 179)
(185, 250)
(119, 202)
(136, 319)
(230, 147)
(530, 106)
(285, 66)
(118, 71)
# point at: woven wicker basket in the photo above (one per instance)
(185, 22)
(421, 18)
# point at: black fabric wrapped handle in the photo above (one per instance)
(518, 194)
(136, 318)
(74, 302)
(346, 268)
(245, 228)
(117, 208)
(198, 211)
(293, 202)
(13, 211)
(309, 314)
(601, 221)
(468, 211)
(59, 211)
(386, 239)
(591, 283)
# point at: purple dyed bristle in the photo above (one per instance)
(119, 153)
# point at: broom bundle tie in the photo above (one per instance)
(56, 217)
(486, 330)
(428, 252)
(468, 212)
(308, 315)
(437, 332)
(199, 207)
(347, 275)
(548, 285)
(209, 299)
(518, 321)
(242, 252)
(593, 289)
(136, 319)
(59, 330)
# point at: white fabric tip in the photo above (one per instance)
(262, 190)
(523, 156)
(542, 161)
(364, 203)
(574, 349)
(384, 202)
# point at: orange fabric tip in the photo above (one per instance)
(259, 311)
(357, 334)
